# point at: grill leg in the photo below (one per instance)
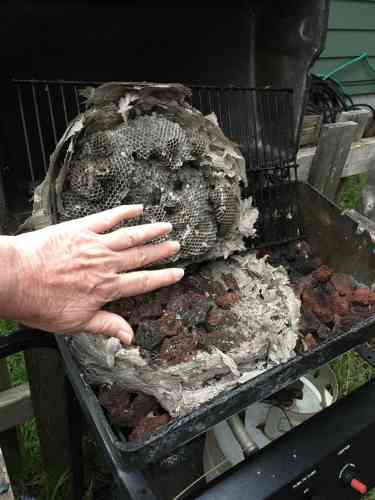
(75, 438)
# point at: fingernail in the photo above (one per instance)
(139, 208)
(179, 273)
(175, 246)
(168, 226)
(125, 337)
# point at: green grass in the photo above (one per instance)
(349, 195)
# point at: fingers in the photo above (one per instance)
(138, 257)
(121, 239)
(140, 282)
(110, 325)
(104, 221)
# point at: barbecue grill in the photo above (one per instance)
(264, 118)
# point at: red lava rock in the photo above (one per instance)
(220, 318)
(169, 325)
(310, 341)
(228, 299)
(322, 274)
(191, 307)
(317, 300)
(108, 393)
(151, 310)
(196, 283)
(343, 284)
(147, 425)
(122, 307)
(339, 304)
(141, 406)
(179, 349)
(149, 334)
(116, 400)
(363, 296)
(164, 294)
(301, 283)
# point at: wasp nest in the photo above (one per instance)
(146, 144)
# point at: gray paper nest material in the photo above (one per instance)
(144, 143)
(268, 315)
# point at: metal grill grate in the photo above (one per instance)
(259, 120)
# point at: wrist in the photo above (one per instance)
(10, 278)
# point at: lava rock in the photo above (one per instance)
(227, 300)
(318, 301)
(179, 349)
(340, 305)
(140, 407)
(116, 400)
(310, 341)
(343, 284)
(148, 425)
(308, 323)
(170, 326)
(190, 307)
(164, 295)
(300, 284)
(149, 334)
(322, 274)
(219, 318)
(363, 296)
(149, 310)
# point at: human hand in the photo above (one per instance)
(67, 272)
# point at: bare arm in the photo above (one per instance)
(59, 278)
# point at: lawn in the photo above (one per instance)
(350, 369)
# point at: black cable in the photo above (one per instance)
(327, 98)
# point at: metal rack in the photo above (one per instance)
(260, 121)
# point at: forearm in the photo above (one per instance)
(9, 277)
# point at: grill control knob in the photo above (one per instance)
(348, 476)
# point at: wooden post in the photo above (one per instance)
(310, 130)
(46, 378)
(330, 156)
(10, 439)
(360, 116)
(15, 406)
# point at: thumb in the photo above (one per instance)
(110, 325)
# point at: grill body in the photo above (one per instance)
(334, 236)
